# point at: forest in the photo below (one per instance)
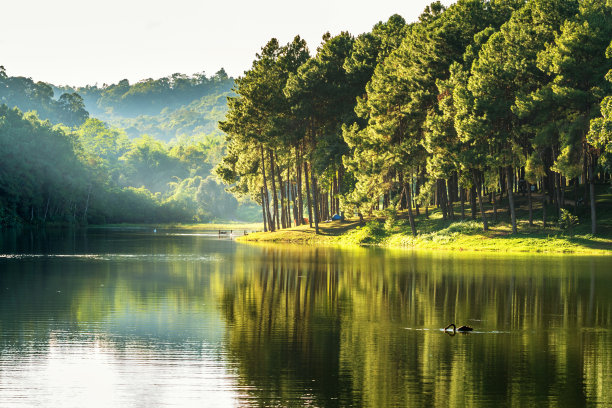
(61, 165)
(471, 104)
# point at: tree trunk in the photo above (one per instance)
(315, 205)
(403, 197)
(265, 187)
(408, 188)
(263, 209)
(333, 195)
(558, 192)
(309, 201)
(87, 204)
(592, 196)
(300, 201)
(283, 198)
(274, 194)
(485, 224)
(473, 201)
(494, 203)
(340, 178)
(296, 211)
(530, 204)
(576, 196)
(288, 209)
(462, 198)
(441, 190)
(283, 202)
(417, 192)
(47, 208)
(543, 205)
(449, 198)
(511, 199)
(563, 182)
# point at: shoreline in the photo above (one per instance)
(460, 236)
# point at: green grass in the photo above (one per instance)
(391, 229)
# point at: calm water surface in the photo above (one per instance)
(137, 319)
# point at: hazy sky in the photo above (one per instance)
(80, 42)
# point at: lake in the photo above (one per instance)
(133, 318)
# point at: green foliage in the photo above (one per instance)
(371, 233)
(567, 221)
(28, 95)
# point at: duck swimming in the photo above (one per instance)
(459, 329)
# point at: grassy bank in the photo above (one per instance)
(392, 229)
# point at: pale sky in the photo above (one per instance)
(78, 42)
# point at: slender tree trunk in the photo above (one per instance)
(296, 211)
(543, 205)
(407, 189)
(576, 196)
(87, 204)
(511, 198)
(263, 209)
(494, 203)
(449, 198)
(462, 198)
(558, 192)
(265, 187)
(309, 201)
(300, 200)
(442, 198)
(288, 208)
(274, 194)
(333, 194)
(340, 178)
(502, 183)
(592, 196)
(485, 224)
(403, 196)
(562, 186)
(417, 192)
(473, 201)
(530, 204)
(281, 188)
(283, 201)
(315, 205)
(47, 208)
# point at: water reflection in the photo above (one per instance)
(363, 328)
(171, 320)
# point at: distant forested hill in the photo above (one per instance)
(124, 152)
(165, 108)
(28, 95)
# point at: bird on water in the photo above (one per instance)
(459, 329)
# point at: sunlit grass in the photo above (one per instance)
(435, 233)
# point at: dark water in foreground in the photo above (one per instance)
(136, 319)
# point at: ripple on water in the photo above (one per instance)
(118, 257)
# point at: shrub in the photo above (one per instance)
(567, 220)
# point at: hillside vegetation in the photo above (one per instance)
(77, 168)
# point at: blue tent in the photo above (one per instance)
(336, 217)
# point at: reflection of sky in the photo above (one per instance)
(166, 324)
(97, 374)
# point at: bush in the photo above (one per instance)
(567, 220)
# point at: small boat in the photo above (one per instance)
(462, 329)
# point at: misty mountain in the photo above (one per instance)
(166, 108)
(28, 95)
